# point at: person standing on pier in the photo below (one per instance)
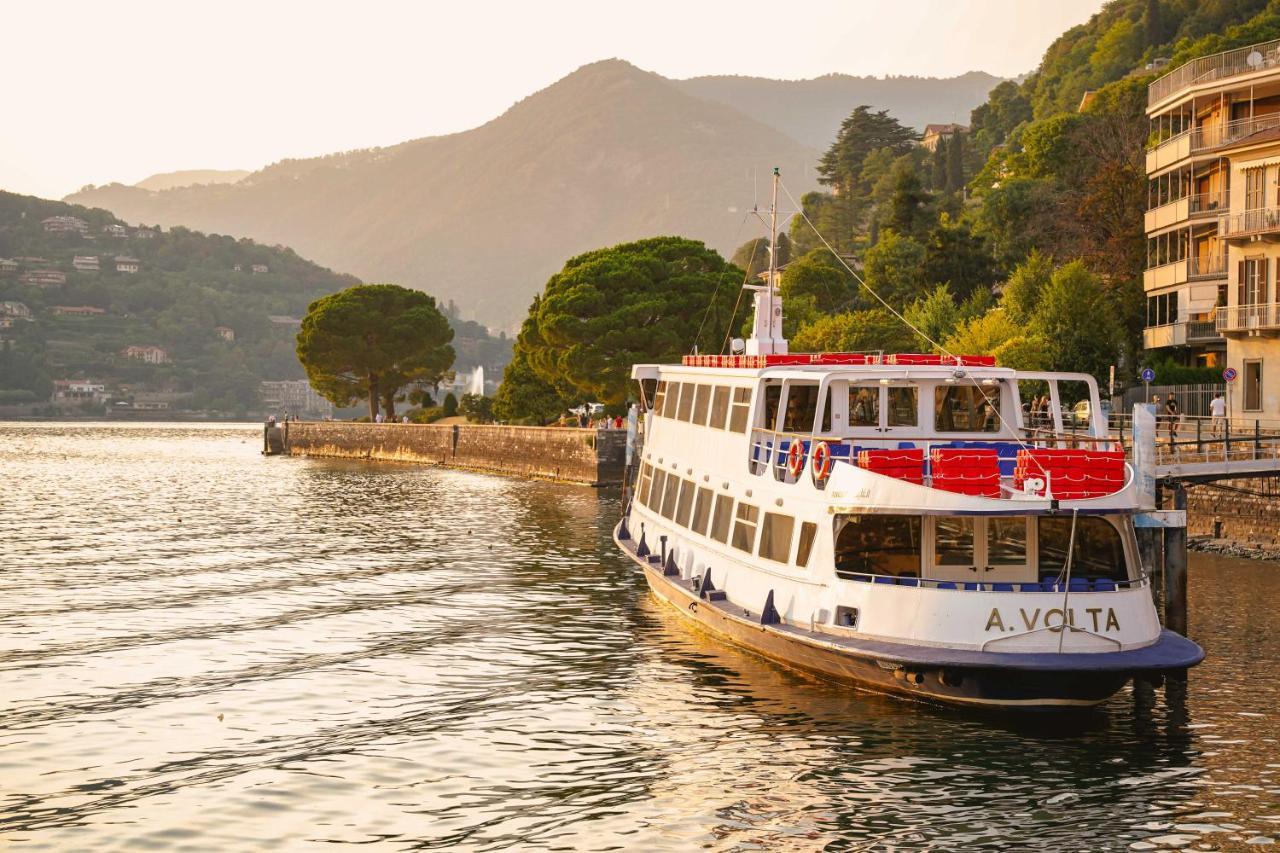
(1218, 412)
(1172, 413)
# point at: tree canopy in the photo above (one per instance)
(371, 340)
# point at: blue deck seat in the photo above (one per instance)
(1002, 587)
(906, 445)
(1032, 587)
(908, 581)
(946, 585)
(884, 579)
(1104, 585)
(971, 586)
(1079, 585)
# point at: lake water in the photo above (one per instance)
(204, 649)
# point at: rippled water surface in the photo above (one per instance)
(204, 649)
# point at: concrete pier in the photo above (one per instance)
(586, 456)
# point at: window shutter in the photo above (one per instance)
(1240, 283)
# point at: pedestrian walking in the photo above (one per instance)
(1172, 413)
(1218, 414)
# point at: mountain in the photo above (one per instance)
(607, 154)
(191, 177)
(811, 110)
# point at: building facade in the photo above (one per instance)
(151, 355)
(1213, 220)
(295, 397)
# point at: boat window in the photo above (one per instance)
(904, 405)
(826, 411)
(721, 518)
(646, 393)
(878, 544)
(864, 406)
(953, 542)
(772, 396)
(1006, 541)
(719, 407)
(702, 510)
(966, 408)
(1098, 552)
(700, 403)
(646, 480)
(741, 409)
(686, 401)
(808, 533)
(669, 495)
(673, 396)
(775, 537)
(744, 527)
(655, 494)
(802, 408)
(685, 506)
(658, 396)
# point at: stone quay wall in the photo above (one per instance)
(587, 456)
(1253, 520)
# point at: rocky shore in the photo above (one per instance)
(1232, 548)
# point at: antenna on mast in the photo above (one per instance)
(766, 332)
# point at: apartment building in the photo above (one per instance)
(1213, 220)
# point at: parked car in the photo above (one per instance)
(1082, 416)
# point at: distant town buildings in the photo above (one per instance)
(145, 233)
(115, 231)
(65, 225)
(283, 320)
(226, 333)
(259, 269)
(8, 265)
(935, 134)
(126, 264)
(16, 310)
(151, 355)
(78, 310)
(295, 397)
(78, 391)
(43, 278)
(86, 263)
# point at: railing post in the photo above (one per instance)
(1257, 438)
(1199, 446)
(1226, 440)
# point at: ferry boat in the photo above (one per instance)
(896, 521)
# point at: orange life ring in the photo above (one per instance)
(795, 458)
(821, 461)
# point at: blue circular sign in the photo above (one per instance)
(1230, 374)
(1148, 375)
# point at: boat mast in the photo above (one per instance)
(766, 331)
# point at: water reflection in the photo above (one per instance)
(201, 647)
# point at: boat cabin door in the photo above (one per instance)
(985, 550)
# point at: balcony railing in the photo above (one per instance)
(1264, 220)
(1216, 67)
(1214, 266)
(1231, 132)
(1209, 204)
(1203, 330)
(1243, 318)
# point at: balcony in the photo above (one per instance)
(1199, 332)
(1208, 204)
(1262, 317)
(1203, 206)
(1180, 272)
(1264, 222)
(1206, 140)
(1219, 66)
(1203, 268)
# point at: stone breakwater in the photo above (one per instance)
(586, 456)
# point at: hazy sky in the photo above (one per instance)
(99, 92)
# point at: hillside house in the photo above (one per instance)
(43, 278)
(295, 397)
(282, 320)
(17, 310)
(226, 333)
(115, 231)
(77, 310)
(8, 265)
(86, 263)
(126, 264)
(78, 391)
(936, 134)
(151, 355)
(145, 233)
(65, 225)
(258, 269)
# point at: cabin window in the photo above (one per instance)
(669, 495)
(646, 393)
(1098, 552)
(646, 480)
(741, 409)
(775, 537)
(702, 510)
(686, 401)
(772, 397)
(721, 518)
(659, 395)
(904, 405)
(802, 408)
(953, 542)
(966, 408)
(719, 407)
(808, 533)
(864, 406)
(826, 411)
(673, 396)
(685, 506)
(744, 528)
(655, 495)
(878, 544)
(700, 403)
(1006, 542)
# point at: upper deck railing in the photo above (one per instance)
(1219, 66)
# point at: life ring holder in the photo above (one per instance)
(822, 462)
(795, 458)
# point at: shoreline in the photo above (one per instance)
(1232, 548)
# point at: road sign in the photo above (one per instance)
(1148, 375)
(1230, 374)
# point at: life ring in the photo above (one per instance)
(821, 461)
(795, 458)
